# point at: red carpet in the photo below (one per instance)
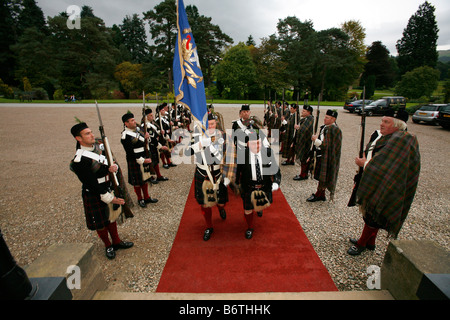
(279, 257)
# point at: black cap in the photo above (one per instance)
(308, 108)
(401, 114)
(332, 113)
(76, 129)
(127, 116)
(245, 107)
(148, 111)
(212, 116)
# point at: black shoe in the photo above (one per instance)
(222, 213)
(370, 247)
(110, 253)
(142, 203)
(313, 198)
(172, 165)
(162, 178)
(153, 181)
(299, 178)
(285, 163)
(249, 233)
(355, 250)
(165, 166)
(207, 234)
(259, 214)
(151, 200)
(123, 245)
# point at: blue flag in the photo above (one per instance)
(187, 75)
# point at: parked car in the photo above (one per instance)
(383, 105)
(352, 105)
(428, 113)
(444, 117)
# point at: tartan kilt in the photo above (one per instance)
(317, 168)
(247, 198)
(134, 174)
(95, 211)
(198, 184)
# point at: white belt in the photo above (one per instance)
(104, 179)
(139, 150)
(204, 167)
(91, 155)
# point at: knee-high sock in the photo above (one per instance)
(368, 234)
(158, 173)
(112, 229)
(163, 157)
(137, 190)
(207, 214)
(103, 234)
(249, 220)
(144, 189)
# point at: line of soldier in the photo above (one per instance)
(257, 178)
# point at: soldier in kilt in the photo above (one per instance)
(389, 181)
(212, 173)
(327, 145)
(257, 177)
(303, 141)
(154, 143)
(289, 140)
(133, 141)
(92, 169)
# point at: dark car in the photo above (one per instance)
(428, 113)
(382, 106)
(444, 117)
(352, 105)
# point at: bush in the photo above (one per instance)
(58, 95)
(118, 95)
(418, 83)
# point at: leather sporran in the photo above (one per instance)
(209, 194)
(259, 200)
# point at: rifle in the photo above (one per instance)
(115, 210)
(310, 164)
(357, 178)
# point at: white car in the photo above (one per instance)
(428, 113)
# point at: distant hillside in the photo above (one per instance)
(444, 56)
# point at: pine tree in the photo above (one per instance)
(417, 47)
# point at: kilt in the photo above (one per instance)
(317, 168)
(222, 193)
(247, 197)
(95, 211)
(134, 174)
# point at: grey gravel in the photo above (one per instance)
(41, 199)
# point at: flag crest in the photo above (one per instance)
(187, 74)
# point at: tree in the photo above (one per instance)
(417, 47)
(379, 65)
(420, 82)
(163, 29)
(134, 38)
(130, 76)
(31, 16)
(7, 38)
(236, 71)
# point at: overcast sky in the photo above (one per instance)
(384, 20)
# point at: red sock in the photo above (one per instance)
(137, 190)
(207, 214)
(304, 171)
(367, 234)
(249, 219)
(112, 228)
(320, 193)
(158, 173)
(103, 234)
(144, 189)
(163, 157)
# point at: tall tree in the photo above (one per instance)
(31, 16)
(236, 71)
(418, 45)
(163, 29)
(7, 38)
(134, 38)
(379, 65)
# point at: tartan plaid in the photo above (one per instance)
(303, 139)
(134, 174)
(389, 181)
(331, 156)
(95, 211)
(289, 136)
